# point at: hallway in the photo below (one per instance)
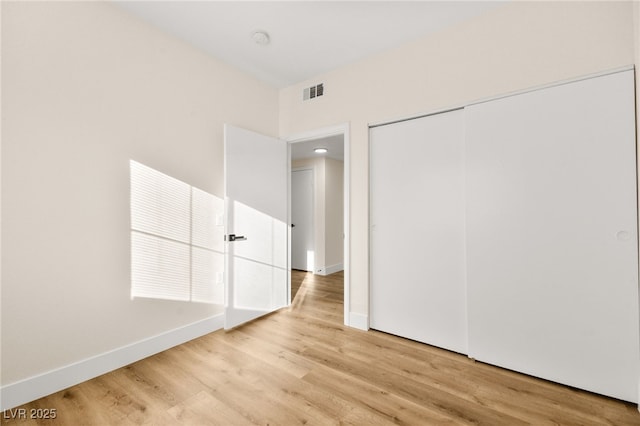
(310, 291)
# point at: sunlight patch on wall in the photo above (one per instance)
(311, 257)
(177, 247)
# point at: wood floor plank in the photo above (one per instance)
(301, 365)
(238, 387)
(313, 404)
(273, 354)
(198, 410)
(272, 392)
(375, 400)
(425, 395)
(454, 376)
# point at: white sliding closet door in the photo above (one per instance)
(552, 255)
(417, 230)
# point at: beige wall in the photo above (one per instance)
(86, 88)
(1, 173)
(334, 212)
(516, 46)
(636, 27)
(327, 209)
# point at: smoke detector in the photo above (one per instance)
(260, 37)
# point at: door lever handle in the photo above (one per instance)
(234, 237)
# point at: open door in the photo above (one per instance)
(256, 248)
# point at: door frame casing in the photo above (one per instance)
(340, 129)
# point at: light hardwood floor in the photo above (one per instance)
(302, 366)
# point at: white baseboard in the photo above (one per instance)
(332, 269)
(358, 321)
(27, 390)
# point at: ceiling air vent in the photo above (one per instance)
(313, 92)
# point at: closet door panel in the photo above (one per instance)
(417, 230)
(552, 234)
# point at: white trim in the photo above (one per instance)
(320, 133)
(331, 269)
(289, 170)
(341, 129)
(552, 84)
(27, 390)
(502, 95)
(347, 221)
(359, 321)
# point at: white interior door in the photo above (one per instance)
(552, 234)
(256, 181)
(302, 249)
(417, 230)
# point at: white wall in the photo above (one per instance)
(519, 45)
(85, 88)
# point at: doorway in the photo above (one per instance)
(325, 175)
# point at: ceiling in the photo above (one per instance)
(333, 144)
(307, 38)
